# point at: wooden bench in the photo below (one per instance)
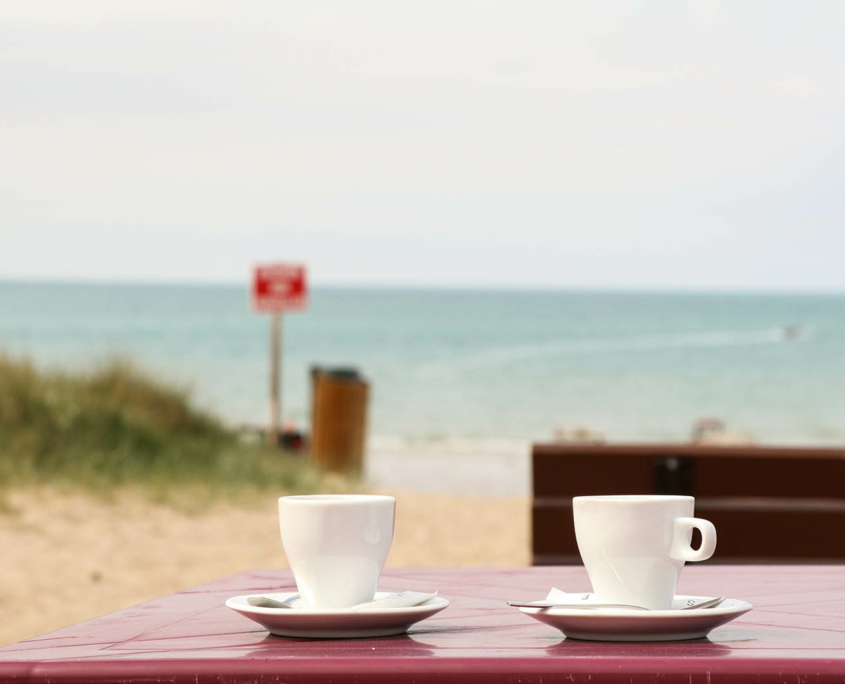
(769, 504)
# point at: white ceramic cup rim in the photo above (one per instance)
(634, 498)
(336, 498)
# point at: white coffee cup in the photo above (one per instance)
(634, 547)
(336, 546)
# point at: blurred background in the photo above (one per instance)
(522, 222)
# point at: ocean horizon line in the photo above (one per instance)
(431, 288)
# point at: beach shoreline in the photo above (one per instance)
(449, 465)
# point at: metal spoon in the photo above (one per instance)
(710, 603)
(267, 602)
(583, 606)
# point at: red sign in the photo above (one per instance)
(279, 287)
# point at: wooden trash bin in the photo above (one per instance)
(338, 419)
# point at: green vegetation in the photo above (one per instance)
(116, 426)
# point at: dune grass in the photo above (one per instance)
(117, 426)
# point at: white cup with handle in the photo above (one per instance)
(634, 547)
(336, 545)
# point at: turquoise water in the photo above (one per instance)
(512, 364)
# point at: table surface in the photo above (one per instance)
(796, 633)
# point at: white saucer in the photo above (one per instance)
(620, 624)
(339, 623)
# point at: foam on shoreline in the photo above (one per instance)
(452, 465)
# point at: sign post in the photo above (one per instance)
(275, 377)
(277, 288)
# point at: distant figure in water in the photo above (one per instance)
(712, 431)
(791, 332)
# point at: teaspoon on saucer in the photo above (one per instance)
(710, 603)
(584, 606)
(402, 599)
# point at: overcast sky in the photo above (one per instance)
(691, 145)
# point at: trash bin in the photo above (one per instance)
(338, 418)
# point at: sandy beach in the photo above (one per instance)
(68, 557)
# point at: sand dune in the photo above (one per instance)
(69, 557)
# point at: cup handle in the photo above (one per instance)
(681, 549)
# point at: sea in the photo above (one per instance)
(470, 364)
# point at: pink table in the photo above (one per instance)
(796, 633)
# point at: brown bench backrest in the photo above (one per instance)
(768, 504)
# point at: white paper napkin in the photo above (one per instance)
(402, 599)
(558, 596)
